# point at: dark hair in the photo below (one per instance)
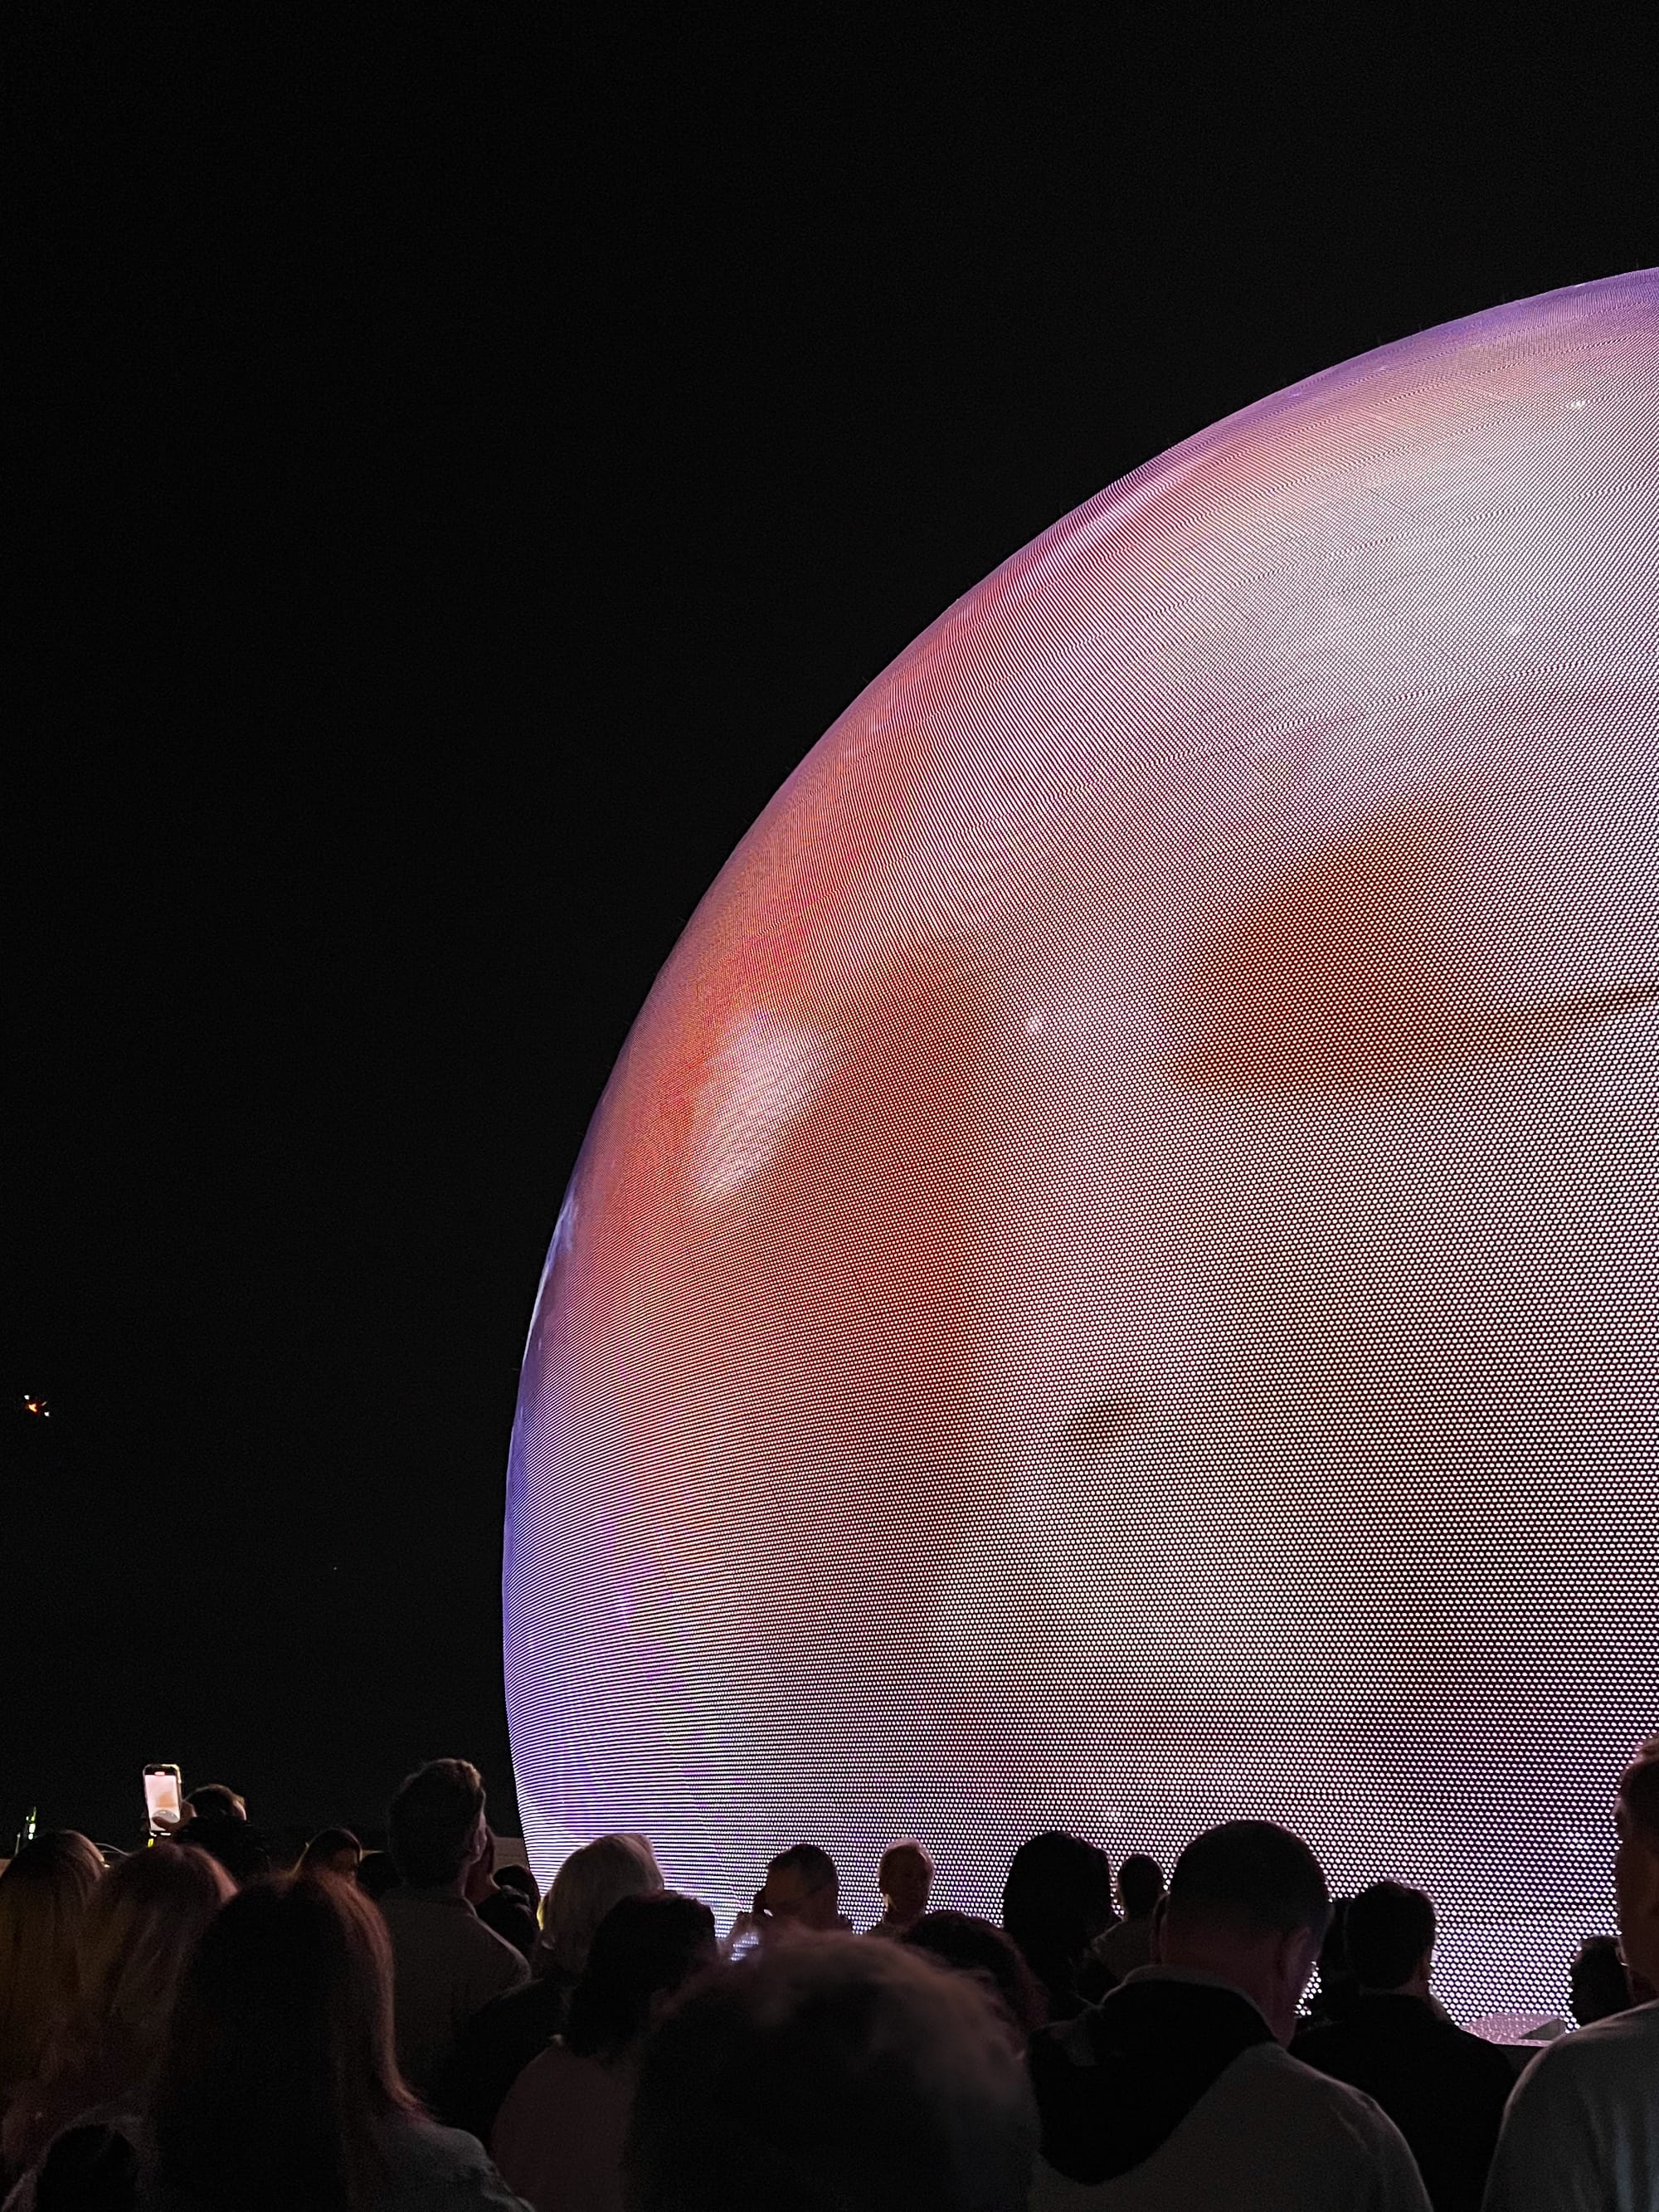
(1598, 1981)
(1638, 1791)
(1057, 1899)
(831, 2075)
(279, 2064)
(227, 1836)
(1139, 1885)
(217, 1801)
(521, 1879)
(645, 1947)
(326, 1845)
(1337, 1979)
(1387, 1930)
(434, 1821)
(377, 1873)
(816, 1867)
(968, 1945)
(1254, 1875)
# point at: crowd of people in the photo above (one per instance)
(188, 2030)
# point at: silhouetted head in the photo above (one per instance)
(136, 1931)
(968, 1945)
(520, 1879)
(643, 1950)
(332, 1850)
(278, 2065)
(1247, 1902)
(44, 1895)
(1636, 1865)
(1057, 1899)
(1140, 1886)
(1388, 1934)
(828, 2075)
(1599, 1985)
(905, 1879)
(217, 1801)
(435, 1827)
(591, 1881)
(802, 1889)
(377, 1873)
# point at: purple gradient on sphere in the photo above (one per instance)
(1112, 1284)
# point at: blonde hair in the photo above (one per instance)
(592, 1880)
(43, 1894)
(139, 1928)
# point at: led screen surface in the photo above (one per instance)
(1113, 1283)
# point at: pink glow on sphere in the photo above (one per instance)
(1113, 1283)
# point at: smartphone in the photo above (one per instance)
(163, 1799)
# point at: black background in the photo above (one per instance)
(457, 468)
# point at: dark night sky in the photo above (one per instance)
(455, 475)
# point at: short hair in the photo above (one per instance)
(816, 1867)
(240, 1849)
(1638, 1791)
(968, 1945)
(1252, 1875)
(1139, 1885)
(592, 1880)
(909, 1848)
(433, 1824)
(830, 2077)
(516, 1877)
(1386, 1932)
(377, 1874)
(645, 1948)
(217, 1801)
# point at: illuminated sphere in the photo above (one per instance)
(1113, 1283)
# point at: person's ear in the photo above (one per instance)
(1298, 1953)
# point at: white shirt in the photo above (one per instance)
(1269, 2134)
(1581, 2132)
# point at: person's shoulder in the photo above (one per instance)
(427, 2164)
(1626, 2046)
(1319, 2040)
(1492, 2062)
(1272, 2074)
(554, 2081)
(557, 2069)
(507, 1964)
(523, 2005)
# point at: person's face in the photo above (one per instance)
(790, 1900)
(906, 1881)
(1121, 1207)
(1636, 1884)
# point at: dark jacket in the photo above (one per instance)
(496, 2046)
(1443, 2089)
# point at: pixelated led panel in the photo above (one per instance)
(1113, 1283)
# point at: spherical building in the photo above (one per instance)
(1113, 1283)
